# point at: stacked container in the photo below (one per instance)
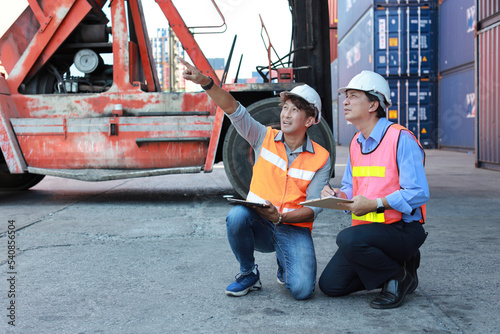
(488, 84)
(457, 24)
(398, 40)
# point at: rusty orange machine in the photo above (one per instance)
(114, 121)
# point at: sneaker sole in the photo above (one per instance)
(254, 287)
(280, 281)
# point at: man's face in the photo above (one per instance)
(356, 105)
(293, 119)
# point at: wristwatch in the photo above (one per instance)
(210, 84)
(380, 206)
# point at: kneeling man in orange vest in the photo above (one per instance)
(290, 168)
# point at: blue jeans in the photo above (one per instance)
(247, 231)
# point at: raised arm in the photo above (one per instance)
(221, 97)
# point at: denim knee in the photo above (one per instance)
(300, 290)
(237, 215)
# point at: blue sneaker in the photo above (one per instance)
(244, 284)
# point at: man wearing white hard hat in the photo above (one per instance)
(385, 178)
(290, 168)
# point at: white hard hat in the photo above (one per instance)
(310, 95)
(372, 83)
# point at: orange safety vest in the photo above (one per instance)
(284, 187)
(376, 174)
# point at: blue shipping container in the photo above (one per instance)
(414, 106)
(405, 41)
(457, 109)
(457, 24)
(354, 55)
(356, 50)
(349, 12)
(409, 36)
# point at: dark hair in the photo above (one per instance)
(300, 103)
(380, 110)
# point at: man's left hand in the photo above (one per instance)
(269, 212)
(361, 205)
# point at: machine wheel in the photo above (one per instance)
(239, 156)
(10, 182)
(43, 83)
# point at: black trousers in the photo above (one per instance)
(369, 255)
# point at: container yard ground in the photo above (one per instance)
(151, 256)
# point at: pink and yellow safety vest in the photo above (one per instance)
(376, 174)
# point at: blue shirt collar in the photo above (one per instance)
(377, 132)
(308, 146)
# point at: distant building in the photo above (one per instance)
(164, 64)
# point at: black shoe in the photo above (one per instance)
(394, 292)
(411, 266)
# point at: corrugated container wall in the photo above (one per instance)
(349, 12)
(334, 70)
(457, 23)
(488, 84)
(398, 41)
(457, 98)
(333, 19)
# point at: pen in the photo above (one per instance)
(330, 186)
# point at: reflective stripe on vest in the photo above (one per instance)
(283, 187)
(376, 174)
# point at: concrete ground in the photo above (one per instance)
(151, 256)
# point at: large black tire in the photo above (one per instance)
(14, 182)
(239, 157)
(43, 83)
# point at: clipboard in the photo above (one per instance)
(244, 202)
(327, 202)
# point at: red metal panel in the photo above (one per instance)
(136, 142)
(77, 12)
(45, 42)
(488, 98)
(16, 39)
(121, 61)
(8, 142)
(145, 50)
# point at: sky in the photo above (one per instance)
(241, 16)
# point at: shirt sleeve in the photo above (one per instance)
(318, 181)
(414, 190)
(250, 129)
(347, 179)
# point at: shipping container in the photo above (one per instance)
(487, 9)
(333, 19)
(356, 49)
(399, 43)
(457, 24)
(414, 106)
(405, 41)
(355, 55)
(457, 109)
(334, 70)
(349, 12)
(488, 84)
